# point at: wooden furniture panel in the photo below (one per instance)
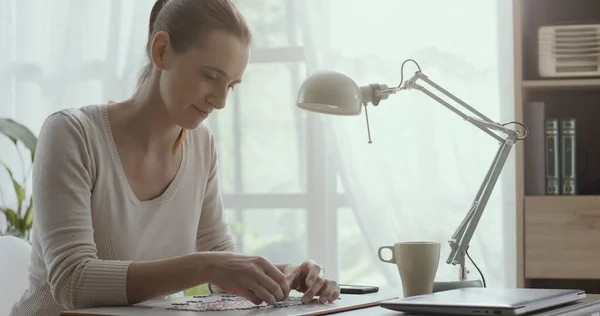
(561, 234)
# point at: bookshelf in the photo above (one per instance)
(558, 236)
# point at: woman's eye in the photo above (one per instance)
(209, 77)
(232, 88)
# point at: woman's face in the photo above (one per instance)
(194, 83)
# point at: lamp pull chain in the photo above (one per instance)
(368, 129)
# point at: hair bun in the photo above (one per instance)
(158, 5)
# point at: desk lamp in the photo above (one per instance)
(334, 93)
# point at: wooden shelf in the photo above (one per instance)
(572, 198)
(562, 84)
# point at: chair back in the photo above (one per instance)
(14, 273)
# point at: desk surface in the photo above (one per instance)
(589, 306)
(367, 306)
(164, 307)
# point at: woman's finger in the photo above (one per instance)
(262, 294)
(312, 291)
(313, 275)
(273, 287)
(273, 279)
(249, 295)
(336, 295)
(328, 291)
(278, 283)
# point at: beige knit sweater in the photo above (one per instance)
(89, 225)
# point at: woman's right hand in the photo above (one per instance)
(251, 277)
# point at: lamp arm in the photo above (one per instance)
(461, 238)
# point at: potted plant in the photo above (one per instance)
(19, 217)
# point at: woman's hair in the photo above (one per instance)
(186, 22)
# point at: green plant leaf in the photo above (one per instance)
(20, 196)
(17, 132)
(18, 189)
(28, 220)
(11, 217)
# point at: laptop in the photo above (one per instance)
(485, 301)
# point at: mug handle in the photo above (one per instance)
(393, 260)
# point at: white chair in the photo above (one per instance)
(14, 263)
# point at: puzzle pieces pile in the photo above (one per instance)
(224, 302)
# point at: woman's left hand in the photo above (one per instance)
(309, 279)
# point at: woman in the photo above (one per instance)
(128, 206)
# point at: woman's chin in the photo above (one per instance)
(191, 123)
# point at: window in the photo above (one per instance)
(261, 134)
(356, 259)
(275, 175)
(273, 233)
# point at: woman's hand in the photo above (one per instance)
(251, 277)
(307, 278)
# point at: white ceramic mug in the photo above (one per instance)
(417, 264)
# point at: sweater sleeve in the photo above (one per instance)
(213, 229)
(62, 188)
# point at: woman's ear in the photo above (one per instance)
(161, 46)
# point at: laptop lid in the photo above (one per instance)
(478, 301)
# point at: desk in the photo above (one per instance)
(589, 306)
(161, 307)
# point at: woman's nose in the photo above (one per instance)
(216, 102)
(218, 98)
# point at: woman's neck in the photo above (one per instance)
(143, 121)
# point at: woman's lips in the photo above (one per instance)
(203, 113)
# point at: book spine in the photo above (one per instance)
(534, 116)
(552, 157)
(568, 161)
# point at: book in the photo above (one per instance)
(552, 160)
(568, 176)
(534, 116)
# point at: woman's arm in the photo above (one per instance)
(251, 277)
(147, 280)
(213, 230)
(63, 175)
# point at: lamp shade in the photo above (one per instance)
(330, 92)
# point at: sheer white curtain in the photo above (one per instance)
(63, 54)
(58, 54)
(418, 178)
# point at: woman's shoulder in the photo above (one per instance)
(203, 137)
(73, 126)
(83, 119)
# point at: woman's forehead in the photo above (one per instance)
(223, 51)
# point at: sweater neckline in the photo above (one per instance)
(116, 159)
